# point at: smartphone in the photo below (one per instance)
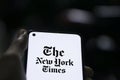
(54, 56)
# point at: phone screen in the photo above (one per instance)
(54, 56)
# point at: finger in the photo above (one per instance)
(88, 72)
(19, 43)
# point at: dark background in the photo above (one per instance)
(101, 35)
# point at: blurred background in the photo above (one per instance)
(97, 21)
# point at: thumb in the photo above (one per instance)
(19, 43)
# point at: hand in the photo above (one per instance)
(11, 66)
(19, 44)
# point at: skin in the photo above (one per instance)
(11, 67)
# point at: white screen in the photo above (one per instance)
(54, 56)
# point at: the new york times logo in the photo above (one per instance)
(57, 62)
